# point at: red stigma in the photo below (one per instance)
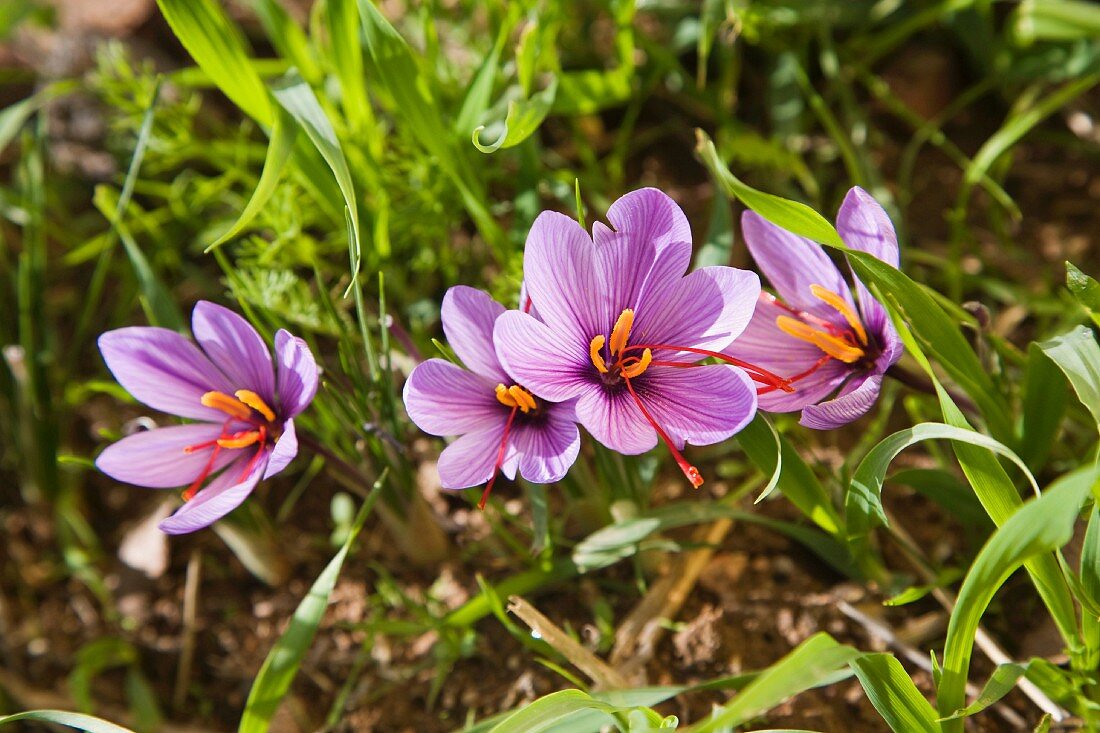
(690, 471)
(500, 458)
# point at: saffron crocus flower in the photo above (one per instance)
(242, 405)
(620, 325)
(503, 427)
(811, 331)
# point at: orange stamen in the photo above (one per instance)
(621, 332)
(242, 439)
(256, 402)
(594, 347)
(843, 308)
(523, 398)
(229, 405)
(639, 365)
(834, 346)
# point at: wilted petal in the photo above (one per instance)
(286, 447)
(855, 401)
(164, 370)
(297, 374)
(445, 399)
(471, 460)
(648, 216)
(614, 420)
(468, 317)
(547, 449)
(792, 264)
(561, 278)
(699, 405)
(221, 496)
(235, 347)
(539, 359)
(156, 458)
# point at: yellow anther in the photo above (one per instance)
(256, 402)
(621, 332)
(843, 308)
(522, 397)
(833, 346)
(229, 405)
(241, 441)
(639, 366)
(505, 397)
(594, 347)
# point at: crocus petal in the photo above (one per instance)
(647, 216)
(468, 316)
(700, 405)
(547, 449)
(163, 370)
(471, 460)
(625, 264)
(297, 374)
(444, 399)
(221, 496)
(561, 279)
(855, 401)
(792, 264)
(286, 447)
(614, 420)
(156, 458)
(865, 226)
(235, 347)
(539, 359)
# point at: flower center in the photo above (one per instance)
(847, 345)
(244, 406)
(516, 396)
(624, 366)
(519, 400)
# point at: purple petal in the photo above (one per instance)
(468, 318)
(221, 496)
(286, 447)
(156, 458)
(615, 420)
(444, 399)
(855, 401)
(235, 347)
(792, 264)
(163, 370)
(539, 359)
(548, 449)
(297, 374)
(625, 265)
(700, 405)
(647, 216)
(561, 278)
(471, 460)
(864, 225)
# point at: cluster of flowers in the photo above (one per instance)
(611, 335)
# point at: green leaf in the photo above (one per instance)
(219, 49)
(546, 712)
(717, 248)
(818, 661)
(283, 133)
(342, 18)
(287, 38)
(1040, 526)
(1077, 354)
(523, 118)
(864, 498)
(480, 93)
(297, 98)
(284, 659)
(1000, 683)
(79, 721)
(894, 695)
(1044, 406)
(1056, 20)
(1090, 559)
(1084, 288)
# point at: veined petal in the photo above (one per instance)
(163, 370)
(235, 347)
(561, 277)
(156, 458)
(625, 264)
(614, 420)
(701, 405)
(444, 399)
(648, 216)
(468, 317)
(855, 400)
(297, 374)
(221, 496)
(539, 359)
(865, 226)
(792, 264)
(471, 460)
(548, 449)
(284, 450)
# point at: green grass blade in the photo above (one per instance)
(283, 133)
(1084, 288)
(1040, 526)
(88, 723)
(894, 695)
(287, 38)
(283, 661)
(219, 49)
(1043, 407)
(1000, 683)
(549, 711)
(342, 18)
(523, 118)
(1078, 356)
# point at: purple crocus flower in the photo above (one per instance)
(620, 325)
(242, 404)
(503, 427)
(812, 333)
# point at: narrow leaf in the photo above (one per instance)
(894, 695)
